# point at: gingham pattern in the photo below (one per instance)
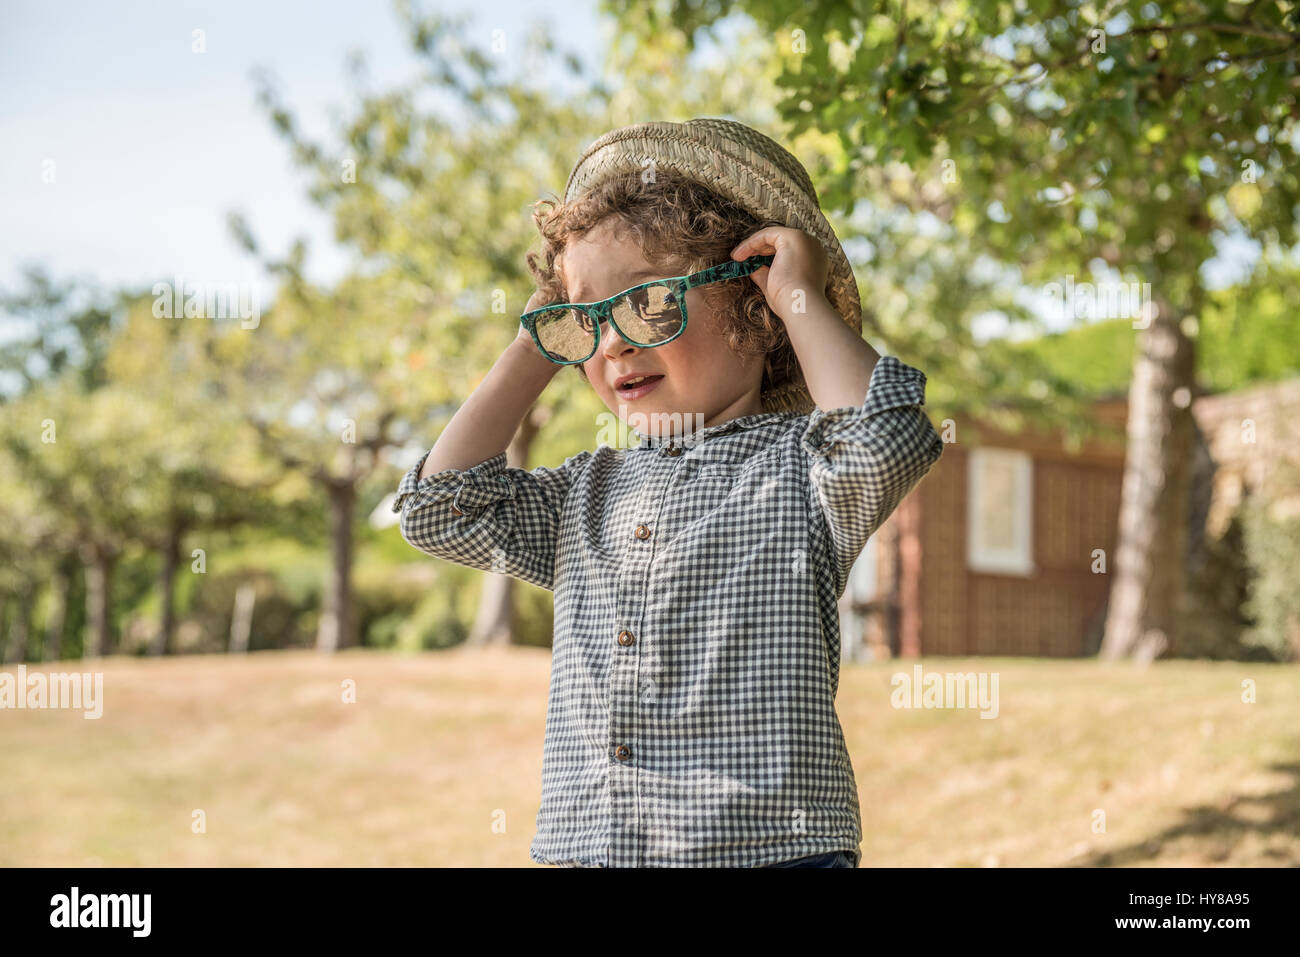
(707, 736)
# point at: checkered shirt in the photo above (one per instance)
(691, 711)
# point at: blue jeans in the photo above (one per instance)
(832, 859)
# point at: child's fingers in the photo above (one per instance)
(762, 243)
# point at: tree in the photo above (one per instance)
(63, 332)
(196, 460)
(139, 460)
(67, 329)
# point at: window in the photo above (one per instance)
(999, 509)
(862, 577)
(860, 588)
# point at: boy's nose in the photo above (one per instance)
(612, 344)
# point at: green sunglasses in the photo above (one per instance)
(648, 315)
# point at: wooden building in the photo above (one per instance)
(995, 551)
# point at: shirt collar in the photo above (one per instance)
(740, 423)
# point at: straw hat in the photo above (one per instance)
(749, 169)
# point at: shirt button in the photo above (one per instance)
(626, 638)
(456, 511)
(622, 752)
(642, 532)
(673, 450)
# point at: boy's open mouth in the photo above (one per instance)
(637, 387)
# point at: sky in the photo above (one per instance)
(124, 149)
(152, 144)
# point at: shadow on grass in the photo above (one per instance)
(1219, 828)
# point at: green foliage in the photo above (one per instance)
(385, 546)
(1215, 624)
(1053, 139)
(444, 616)
(1096, 356)
(279, 621)
(1273, 548)
(65, 330)
(1251, 333)
(299, 568)
(440, 620)
(1248, 335)
(535, 614)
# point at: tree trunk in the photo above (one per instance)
(494, 623)
(1150, 581)
(908, 520)
(20, 627)
(241, 622)
(61, 587)
(99, 588)
(337, 629)
(171, 556)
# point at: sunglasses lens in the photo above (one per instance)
(650, 315)
(567, 334)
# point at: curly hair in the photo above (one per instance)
(682, 227)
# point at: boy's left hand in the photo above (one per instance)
(799, 269)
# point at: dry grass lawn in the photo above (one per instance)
(439, 763)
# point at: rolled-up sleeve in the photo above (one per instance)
(863, 460)
(490, 516)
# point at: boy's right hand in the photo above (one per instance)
(487, 421)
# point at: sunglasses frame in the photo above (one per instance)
(604, 310)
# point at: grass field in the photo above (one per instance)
(439, 763)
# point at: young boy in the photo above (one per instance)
(691, 718)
